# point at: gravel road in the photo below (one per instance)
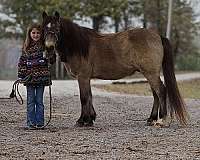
(119, 132)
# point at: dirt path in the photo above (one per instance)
(119, 132)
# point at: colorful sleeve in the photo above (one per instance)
(22, 67)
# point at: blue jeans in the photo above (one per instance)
(35, 106)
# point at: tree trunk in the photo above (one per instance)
(126, 20)
(116, 24)
(144, 21)
(96, 22)
(176, 45)
(158, 21)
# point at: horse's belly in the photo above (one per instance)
(112, 73)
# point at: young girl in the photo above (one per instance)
(33, 69)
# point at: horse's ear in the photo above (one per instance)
(57, 15)
(44, 15)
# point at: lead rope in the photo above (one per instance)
(19, 99)
(15, 89)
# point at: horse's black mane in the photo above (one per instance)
(74, 39)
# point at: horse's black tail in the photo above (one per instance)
(176, 102)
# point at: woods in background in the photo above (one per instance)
(116, 14)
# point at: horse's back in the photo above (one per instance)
(120, 54)
(135, 42)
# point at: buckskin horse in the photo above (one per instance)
(88, 54)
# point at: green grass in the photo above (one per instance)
(188, 89)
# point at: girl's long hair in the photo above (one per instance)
(28, 39)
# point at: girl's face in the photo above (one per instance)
(35, 34)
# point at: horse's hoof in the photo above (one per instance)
(79, 124)
(150, 122)
(159, 123)
(89, 124)
(164, 122)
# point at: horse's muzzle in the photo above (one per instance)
(49, 44)
(50, 41)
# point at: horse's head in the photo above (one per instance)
(51, 28)
(65, 36)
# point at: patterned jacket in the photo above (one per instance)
(34, 66)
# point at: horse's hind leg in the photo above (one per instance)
(88, 113)
(154, 113)
(159, 93)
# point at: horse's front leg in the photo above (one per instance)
(88, 113)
